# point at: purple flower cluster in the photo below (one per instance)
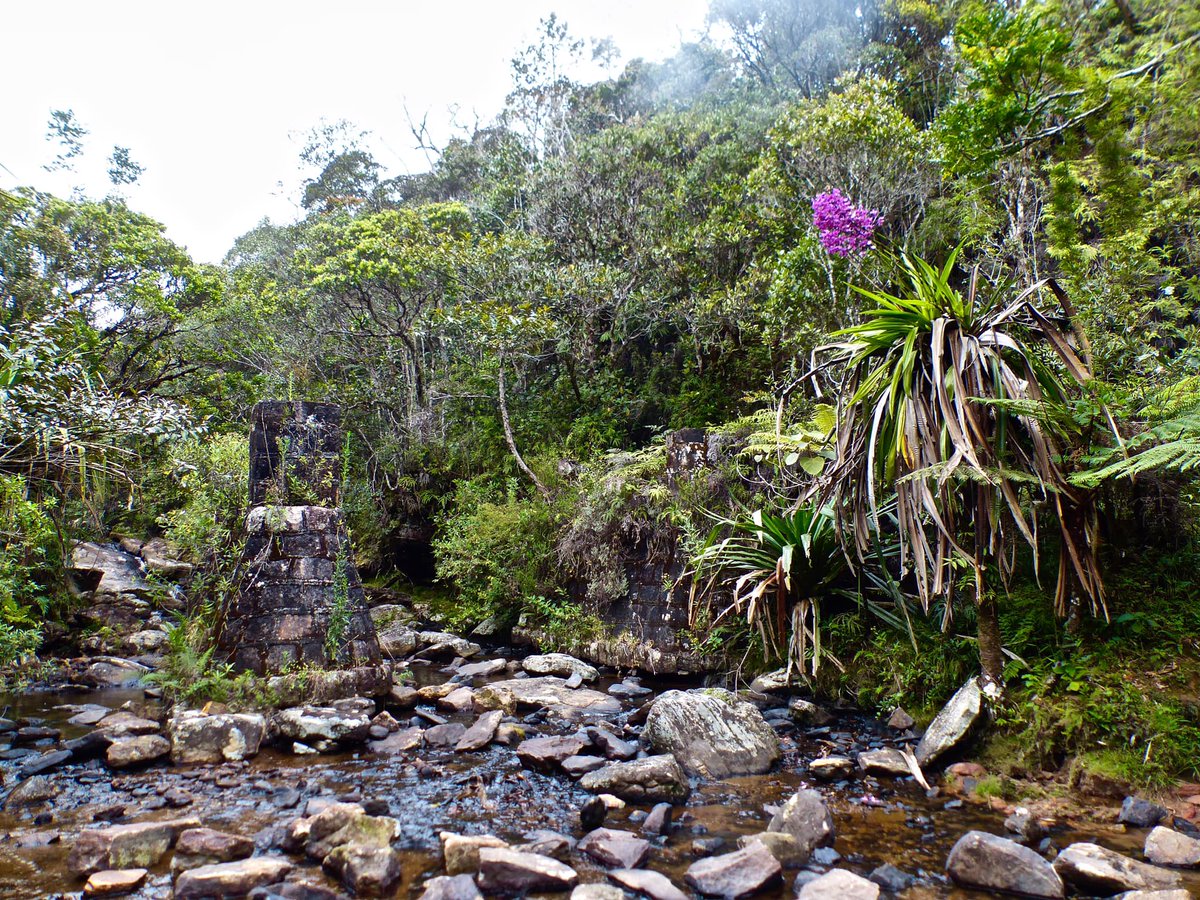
(844, 228)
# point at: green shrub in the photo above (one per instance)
(30, 567)
(495, 549)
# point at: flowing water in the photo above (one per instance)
(428, 791)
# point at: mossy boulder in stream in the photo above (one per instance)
(712, 733)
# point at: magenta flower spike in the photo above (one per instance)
(844, 228)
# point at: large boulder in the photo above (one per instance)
(107, 570)
(1098, 870)
(504, 871)
(140, 845)
(398, 640)
(574, 704)
(652, 779)
(711, 733)
(982, 860)
(807, 819)
(559, 664)
(742, 873)
(1165, 847)
(435, 642)
(323, 727)
(231, 879)
(952, 725)
(225, 737)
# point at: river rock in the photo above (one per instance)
(161, 559)
(771, 682)
(397, 640)
(891, 879)
(993, 863)
(367, 870)
(739, 874)
(440, 642)
(784, 847)
(900, 720)
(597, 891)
(112, 882)
(1140, 813)
(480, 669)
(113, 572)
(1096, 869)
(451, 887)
(147, 642)
(805, 712)
(711, 733)
(128, 752)
(839, 885)
(112, 671)
(445, 736)
(559, 664)
(953, 723)
(403, 740)
(648, 780)
(480, 734)
(884, 761)
(459, 700)
(578, 766)
(546, 753)
(573, 704)
(403, 695)
(31, 792)
(614, 848)
(1165, 847)
(612, 746)
(806, 818)
(231, 879)
(460, 852)
(504, 871)
(654, 885)
(827, 768)
(1177, 894)
(322, 727)
(205, 846)
(1023, 823)
(124, 724)
(136, 846)
(658, 820)
(225, 737)
(44, 762)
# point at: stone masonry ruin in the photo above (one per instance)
(300, 600)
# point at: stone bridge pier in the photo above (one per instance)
(299, 599)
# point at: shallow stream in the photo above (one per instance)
(428, 791)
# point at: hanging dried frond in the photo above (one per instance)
(945, 395)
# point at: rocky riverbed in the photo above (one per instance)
(539, 775)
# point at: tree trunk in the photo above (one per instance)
(508, 437)
(991, 658)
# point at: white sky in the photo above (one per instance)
(214, 98)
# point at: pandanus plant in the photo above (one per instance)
(941, 392)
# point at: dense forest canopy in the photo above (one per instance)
(932, 265)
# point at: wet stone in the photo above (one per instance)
(892, 879)
(614, 848)
(110, 883)
(651, 884)
(401, 741)
(839, 885)
(451, 887)
(806, 818)
(1140, 813)
(547, 753)
(480, 734)
(648, 780)
(445, 736)
(232, 879)
(1096, 869)
(1165, 847)
(994, 863)
(658, 821)
(578, 766)
(742, 873)
(513, 872)
(460, 852)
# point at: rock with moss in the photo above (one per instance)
(712, 733)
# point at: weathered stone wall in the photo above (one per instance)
(288, 594)
(298, 582)
(295, 453)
